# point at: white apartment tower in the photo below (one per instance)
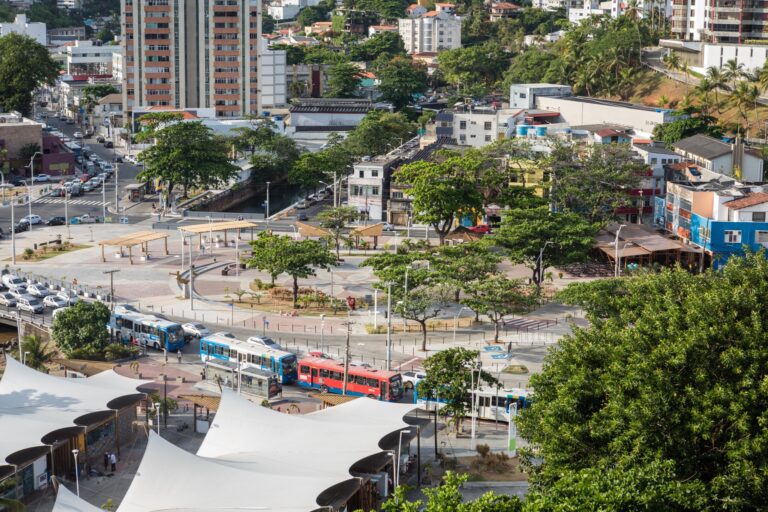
(432, 32)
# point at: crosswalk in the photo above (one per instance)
(59, 200)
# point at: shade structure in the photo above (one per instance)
(67, 501)
(245, 433)
(33, 404)
(170, 478)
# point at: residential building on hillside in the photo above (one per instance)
(326, 115)
(288, 9)
(20, 25)
(59, 36)
(699, 56)
(87, 58)
(415, 10)
(306, 80)
(432, 31)
(718, 21)
(719, 217)
(377, 29)
(17, 131)
(733, 160)
(501, 10)
(578, 110)
(589, 9)
(194, 54)
(524, 95)
(69, 4)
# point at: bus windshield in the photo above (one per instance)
(289, 365)
(396, 386)
(175, 333)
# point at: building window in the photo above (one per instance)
(462, 125)
(732, 236)
(375, 173)
(761, 237)
(487, 138)
(758, 216)
(523, 95)
(488, 125)
(374, 191)
(361, 174)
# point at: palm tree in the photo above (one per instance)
(733, 72)
(663, 101)
(718, 81)
(744, 97)
(762, 77)
(36, 352)
(703, 90)
(672, 60)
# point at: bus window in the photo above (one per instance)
(337, 376)
(314, 372)
(383, 389)
(304, 369)
(361, 380)
(374, 383)
(324, 373)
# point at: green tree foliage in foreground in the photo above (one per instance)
(80, 331)
(24, 65)
(661, 403)
(38, 353)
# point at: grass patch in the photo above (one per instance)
(515, 369)
(48, 252)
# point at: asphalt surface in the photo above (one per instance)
(90, 202)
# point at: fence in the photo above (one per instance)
(223, 215)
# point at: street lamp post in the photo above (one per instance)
(66, 211)
(474, 398)
(456, 322)
(13, 232)
(389, 325)
(267, 205)
(375, 308)
(157, 416)
(29, 185)
(616, 249)
(104, 201)
(322, 330)
(540, 263)
(77, 471)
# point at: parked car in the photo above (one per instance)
(7, 299)
(95, 181)
(302, 204)
(107, 168)
(57, 311)
(412, 378)
(226, 334)
(20, 227)
(389, 227)
(30, 304)
(54, 302)
(93, 157)
(17, 290)
(42, 178)
(78, 135)
(56, 221)
(32, 219)
(264, 341)
(100, 139)
(88, 186)
(69, 296)
(9, 280)
(86, 219)
(195, 330)
(70, 120)
(38, 290)
(301, 216)
(108, 144)
(57, 192)
(482, 229)
(119, 159)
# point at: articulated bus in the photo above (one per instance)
(148, 330)
(224, 348)
(327, 375)
(492, 404)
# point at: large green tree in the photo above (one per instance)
(383, 45)
(461, 264)
(335, 220)
(297, 258)
(660, 403)
(400, 79)
(442, 190)
(687, 126)
(331, 163)
(484, 63)
(186, 154)
(343, 81)
(497, 297)
(80, 331)
(540, 238)
(25, 64)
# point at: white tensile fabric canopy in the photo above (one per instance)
(33, 404)
(67, 501)
(245, 433)
(170, 478)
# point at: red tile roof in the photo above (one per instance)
(746, 202)
(505, 6)
(430, 14)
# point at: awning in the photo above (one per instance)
(67, 501)
(33, 404)
(310, 230)
(218, 226)
(373, 230)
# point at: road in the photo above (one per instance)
(90, 202)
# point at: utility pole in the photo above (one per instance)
(346, 352)
(389, 326)
(111, 286)
(191, 284)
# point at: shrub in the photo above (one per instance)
(117, 351)
(379, 329)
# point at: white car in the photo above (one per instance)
(42, 178)
(11, 280)
(93, 157)
(389, 227)
(107, 168)
(69, 296)
(264, 342)
(38, 290)
(195, 330)
(410, 379)
(32, 219)
(17, 290)
(54, 302)
(7, 299)
(30, 304)
(57, 311)
(86, 219)
(78, 135)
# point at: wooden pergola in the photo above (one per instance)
(462, 234)
(225, 226)
(207, 402)
(330, 400)
(308, 230)
(141, 238)
(87, 368)
(374, 230)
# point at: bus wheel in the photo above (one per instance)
(156, 346)
(323, 388)
(373, 396)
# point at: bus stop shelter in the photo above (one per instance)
(308, 230)
(140, 238)
(374, 231)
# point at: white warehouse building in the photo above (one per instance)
(36, 31)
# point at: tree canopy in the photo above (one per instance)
(497, 297)
(400, 79)
(335, 220)
(185, 154)
(379, 132)
(25, 64)
(343, 81)
(80, 331)
(659, 404)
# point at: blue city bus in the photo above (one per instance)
(492, 404)
(221, 347)
(148, 330)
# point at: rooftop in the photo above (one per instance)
(609, 103)
(650, 148)
(703, 146)
(331, 105)
(752, 199)
(539, 86)
(597, 128)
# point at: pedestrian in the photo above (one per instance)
(113, 461)
(509, 347)
(106, 461)
(178, 355)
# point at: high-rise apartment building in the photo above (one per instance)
(192, 54)
(431, 32)
(719, 21)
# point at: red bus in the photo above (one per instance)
(327, 375)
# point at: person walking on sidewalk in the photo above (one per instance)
(178, 355)
(106, 461)
(113, 461)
